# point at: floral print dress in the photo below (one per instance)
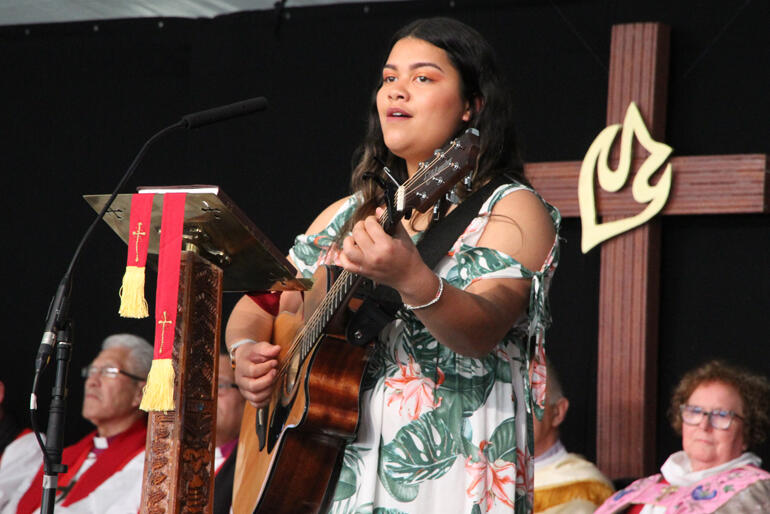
(441, 432)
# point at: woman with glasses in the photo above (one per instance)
(720, 411)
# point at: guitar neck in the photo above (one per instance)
(419, 192)
(334, 300)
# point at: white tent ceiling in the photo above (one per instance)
(23, 12)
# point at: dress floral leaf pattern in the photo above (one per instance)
(439, 431)
(472, 391)
(473, 263)
(351, 468)
(502, 444)
(422, 450)
(450, 410)
(401, 491)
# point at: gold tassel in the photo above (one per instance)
(132, 301)
(159, 391)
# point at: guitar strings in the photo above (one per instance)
(299, 340)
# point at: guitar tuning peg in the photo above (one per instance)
(468, 181)
(452, 197)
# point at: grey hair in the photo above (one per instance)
(553, 383)
(140, 351)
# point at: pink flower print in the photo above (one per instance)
(413, 391)
(525, 482)
(489, 479)
(502, 352)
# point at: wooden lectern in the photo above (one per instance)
(223, 251)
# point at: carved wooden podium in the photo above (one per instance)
(223, 251)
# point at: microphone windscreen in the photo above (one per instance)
(225, 112)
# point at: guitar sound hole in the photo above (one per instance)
(289, 388)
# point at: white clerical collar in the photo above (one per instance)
(101, 443)
(551, 455)
(677, 469)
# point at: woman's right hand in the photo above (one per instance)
(255, 371)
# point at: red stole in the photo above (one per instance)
(123, 447)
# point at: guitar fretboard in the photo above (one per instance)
(417, 192)
(310, 336)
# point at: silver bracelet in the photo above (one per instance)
(435, 298)
(235, 346)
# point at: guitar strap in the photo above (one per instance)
(381, 304)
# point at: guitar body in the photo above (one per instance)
(288, 451)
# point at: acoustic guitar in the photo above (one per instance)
(290, 451)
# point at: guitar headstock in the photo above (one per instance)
(437, 177)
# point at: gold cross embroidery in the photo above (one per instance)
(138, 233)
(165, 321)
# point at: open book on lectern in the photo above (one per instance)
(216, 229)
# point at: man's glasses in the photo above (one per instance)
(718, 418)
(107, 371)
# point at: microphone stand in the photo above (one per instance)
(54, 442)
(57, 327)
(57, 334)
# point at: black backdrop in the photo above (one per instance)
(79, 99)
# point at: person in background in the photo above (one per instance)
(229, 413)
(564, 482)
(721, 411)
(104, 469)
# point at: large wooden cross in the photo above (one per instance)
(630, 263)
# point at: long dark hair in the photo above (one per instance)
(491, 113)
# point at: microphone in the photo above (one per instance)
(57, 310)
(57, 324)
(225, 112)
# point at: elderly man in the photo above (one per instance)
(564, 482)
(104, 469)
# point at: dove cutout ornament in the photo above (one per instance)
(596, 163)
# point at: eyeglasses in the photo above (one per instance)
(226, 385)
(718, 418)
(107, 371)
